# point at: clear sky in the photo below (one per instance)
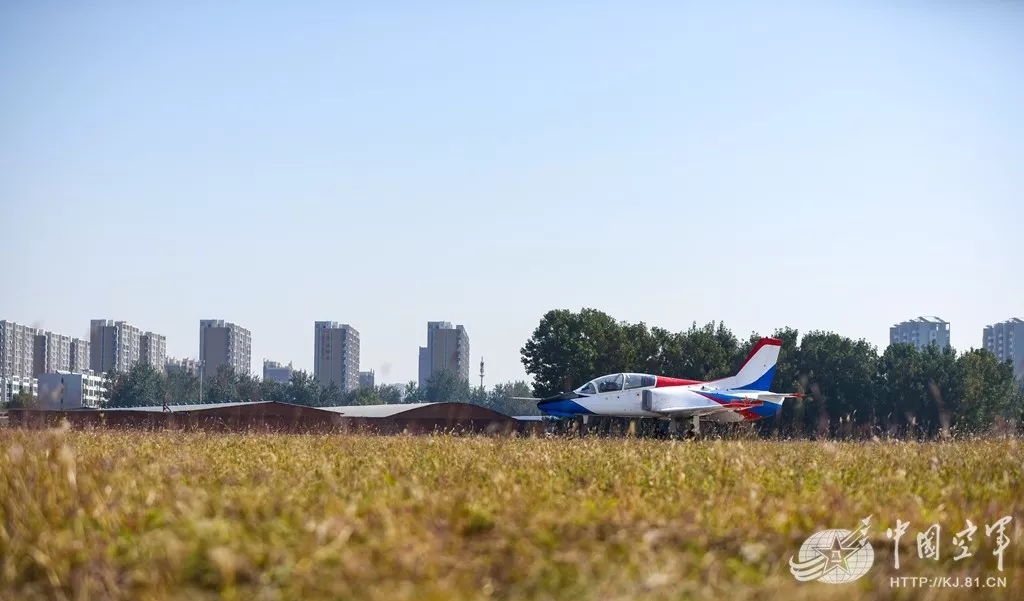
(272, 164)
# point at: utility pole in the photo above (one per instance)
(202, 363)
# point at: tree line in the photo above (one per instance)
(144, 385)
(853, 389)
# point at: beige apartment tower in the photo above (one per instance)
(224, 343)
(336, 355)
(185, 365)
(113, 346)
(153, 350)
(78, 356)
(17, 350)
(52, 353)
(447, 349)
(1006, 341)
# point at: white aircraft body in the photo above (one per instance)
(742, 397)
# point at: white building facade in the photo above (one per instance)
(276, 372)
(10, 386)
(1006, 341)
(17, 350)
(921, 331)
(65, 390)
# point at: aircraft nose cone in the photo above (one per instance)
(561, 407)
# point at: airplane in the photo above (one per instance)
(741, 397)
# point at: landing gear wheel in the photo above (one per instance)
(696, 426)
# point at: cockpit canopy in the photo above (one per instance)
(617, 382)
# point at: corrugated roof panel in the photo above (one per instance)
(184, 408)
(374, 410)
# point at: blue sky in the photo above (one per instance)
(272, 164)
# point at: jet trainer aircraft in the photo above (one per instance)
(742, 397)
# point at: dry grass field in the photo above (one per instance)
(132, 515)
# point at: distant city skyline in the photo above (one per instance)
(283, 367)
(833, 166)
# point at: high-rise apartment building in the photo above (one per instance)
(54, 353)
(921, 331)
(78, 356)
(447, 349)
(276, 372)
(336, 354)
(224, 343)
(186, 365)
(11, 386)
(51, 353)
(153, 350)
(17, 350)
(367, 379)
(113, 346)
(1006, 341)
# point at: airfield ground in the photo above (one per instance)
(111, 515)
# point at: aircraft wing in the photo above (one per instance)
(752, 399)
(705, 411)
(777, 397)
(562, 396)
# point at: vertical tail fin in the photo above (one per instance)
(758, 369)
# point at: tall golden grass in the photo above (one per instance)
(128, 515)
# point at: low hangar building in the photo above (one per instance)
(414, 418)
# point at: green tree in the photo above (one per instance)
(509, 398)
(641, 351)
(388, 394)
(942, 390)
(112, 381)
(670, 356)
(331, 395)
(614, 350)
(413, 393)
(222, 386)
(478, 396)
(381, 394)
(989, 391)
(899, 388)
(23, 399)
(275, 391)
(247, 387)
(840, 374)
(561, 354)
(141, 385)
(182, 388)
(365, 395)
(303, 389)
(445, 386)
(707, 352)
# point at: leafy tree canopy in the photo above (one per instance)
(852, 388)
